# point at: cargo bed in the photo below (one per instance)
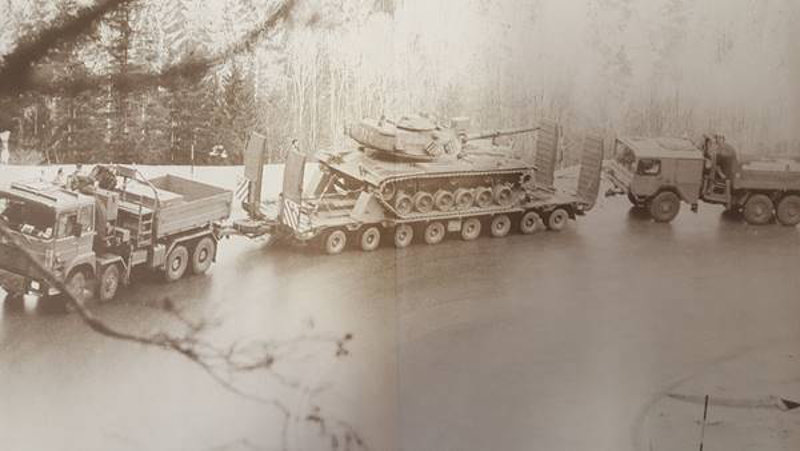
(190, 204)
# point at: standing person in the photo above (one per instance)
(4, 153)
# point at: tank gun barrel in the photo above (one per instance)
(497, 133)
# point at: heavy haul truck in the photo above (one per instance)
(93, 236)
(659, 173)
(416, 179)
(419, 180)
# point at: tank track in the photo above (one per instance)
(514, 179)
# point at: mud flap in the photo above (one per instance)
(546, 159)
(591, 166)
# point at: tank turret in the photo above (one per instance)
(420, 137)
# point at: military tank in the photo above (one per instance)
(420, 177)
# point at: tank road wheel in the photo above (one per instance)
(758, 210)
(483, 197)
(503, 195)
(334, 241)
(79, 287)
(557, 219)
(471, 229)
(434, 232)
(403, 204)
(177, 262)
(789, 210)
(529, 223)
(444, 200)
(464, 198)
(423, 202)
(203, 255)
(370, 238)
(108, 283)
(501, 225)
(665, 206)
(388, 191)
(403, 234)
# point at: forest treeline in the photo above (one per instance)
(678, 67)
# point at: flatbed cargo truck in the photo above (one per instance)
(93, 236)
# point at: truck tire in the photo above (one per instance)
(529, 223)
(471, 229)
(108, 283)
(403, 235)
(665, 206)
(203, 255)
(370, 238)
(334, 241)
(758, 210)
(177, 262)
(434, 232)
(79, 286)
(500, 226)
(789, 210)
(557, 219)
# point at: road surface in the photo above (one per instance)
(557, 341)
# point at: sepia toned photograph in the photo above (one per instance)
(399, 225)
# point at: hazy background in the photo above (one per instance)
(627, 66)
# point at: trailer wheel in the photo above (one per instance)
(500, 226)
(758, 210)
(370, 238)
(789, 210)
(665, 206)
(203, 255)
(471, 229)
(109, 282)
(333, 242)
(403, 235)
(177, 261)
(557, 219)
(434, 232)
(530, 222)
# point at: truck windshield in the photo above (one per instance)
(27, 217)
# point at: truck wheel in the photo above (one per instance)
(334, 241)
(203, 255)
(403, 235)
(370, 238)
(78, 285)
(557, 219)
(109, 283)
(500, 226)
(434, 232)
(665, 206)
(529, 222)
(471, 229)
(789, 210)
(177, 261)
(758, 209)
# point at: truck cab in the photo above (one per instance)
(657, 174)
(55, 225)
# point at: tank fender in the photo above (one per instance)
(368, 209)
